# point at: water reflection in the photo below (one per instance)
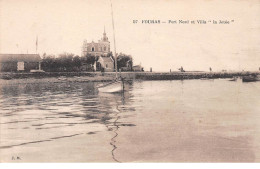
(47, 110)
(117, 104)
(166, 121)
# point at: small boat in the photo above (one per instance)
(251, 78)
(62, 78)
(233, 79)
(117, 85)
(112, 87)
(37, 71)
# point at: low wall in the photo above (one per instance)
(130, 75)
(191, 75)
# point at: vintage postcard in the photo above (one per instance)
(122, 81)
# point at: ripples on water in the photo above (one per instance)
(35, 113)
(191, 120)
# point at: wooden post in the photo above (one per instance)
(123, 83)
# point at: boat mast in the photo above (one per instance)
(114, 37)
(36, 45)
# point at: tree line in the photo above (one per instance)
(68, 62)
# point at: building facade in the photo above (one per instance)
(105, 64)
(138, 68)
(19, 62)
(100, 48)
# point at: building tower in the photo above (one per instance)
(104, 36)
(84, 48)
(100, 48)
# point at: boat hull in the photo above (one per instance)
(250, 79)
(114, 87)
(233, 79)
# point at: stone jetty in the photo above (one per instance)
(98, 76)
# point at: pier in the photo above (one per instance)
(108, 76)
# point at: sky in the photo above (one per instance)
(63, 25)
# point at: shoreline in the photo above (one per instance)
(55, 80)
(60, 77)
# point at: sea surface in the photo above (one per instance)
(152, 121)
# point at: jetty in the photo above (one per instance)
(95, 76)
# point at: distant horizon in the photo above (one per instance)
(62, 26)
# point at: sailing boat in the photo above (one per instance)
(113, 87)
(117, 85)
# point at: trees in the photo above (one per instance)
(88, 61)
(66, 62)
(91, 59)
(76, 62)
(48, 62)
(124, 62)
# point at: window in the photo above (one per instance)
(93, 49)
(20, 66)
(105, 48)
(106, 66)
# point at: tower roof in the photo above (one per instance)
(104, 35)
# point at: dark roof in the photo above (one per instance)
(107, 59)
(20, 58)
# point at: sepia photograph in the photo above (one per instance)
(119, 81)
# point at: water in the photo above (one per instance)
(153, 121)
